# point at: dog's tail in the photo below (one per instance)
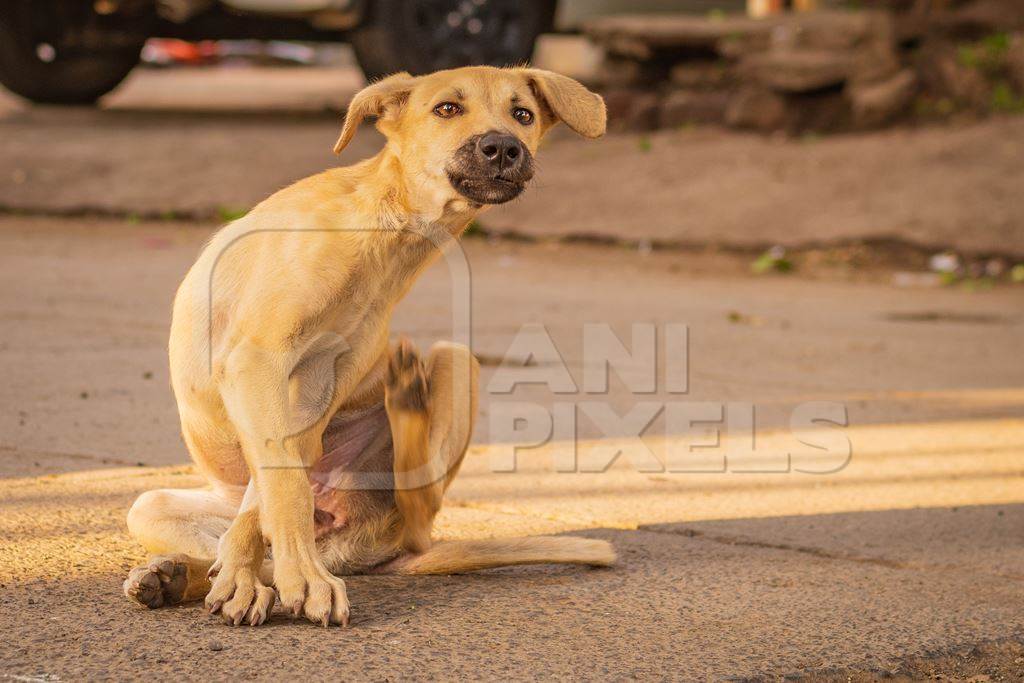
(453, 557)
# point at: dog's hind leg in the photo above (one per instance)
(431, 407)
(181, 529)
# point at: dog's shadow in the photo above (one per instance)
(383, 601)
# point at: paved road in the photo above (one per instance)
(905, 558)
(86, 307)
(913, 552)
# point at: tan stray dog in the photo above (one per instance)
(320, 444)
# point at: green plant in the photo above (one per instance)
(977, 284)
(967, 56)
(997, 44)
(227, 214)
(987, 54)
(949, 278)
(643, 143)
(772, 261)
(1005, 100)
(932, 107)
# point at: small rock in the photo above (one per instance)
(942, 75)
(632, 109)
(944, 263)
(756, 108)
(876, 103)
(702, 74)
(693, 106)
(624, 73)
(875, 62)
(978, 17)
(835, 30)
(215, 645)
(799, 71)
(995, 267)
(908, 279)
(1015, 61)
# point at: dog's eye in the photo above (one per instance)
(446, 110)
(523, 116)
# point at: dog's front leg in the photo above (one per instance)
(237, 590)
(255, 393)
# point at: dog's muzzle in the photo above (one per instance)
(491, 168)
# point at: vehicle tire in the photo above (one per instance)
(34, 65)
(420, 36)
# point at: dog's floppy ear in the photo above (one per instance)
(374, 100)
(568, 101)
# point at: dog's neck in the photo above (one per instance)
(410, 229)
(417, 206)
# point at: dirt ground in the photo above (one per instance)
(905, 563)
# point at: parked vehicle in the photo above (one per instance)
(75, 51)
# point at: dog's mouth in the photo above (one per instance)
(486, 190)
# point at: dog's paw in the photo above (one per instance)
(161, 582)
(406, 387)
(239, 596)
(307, 589)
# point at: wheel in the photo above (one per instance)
(420, 36)
(37, 62)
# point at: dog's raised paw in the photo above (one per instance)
(160, 582)
(407, 378)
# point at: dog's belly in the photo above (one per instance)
(353, 482)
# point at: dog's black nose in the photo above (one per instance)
(501, 150)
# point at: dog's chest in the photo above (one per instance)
(380, 279)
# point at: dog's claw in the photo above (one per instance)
(215, 607)
(213, 571)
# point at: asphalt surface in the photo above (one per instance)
(86, 305)
(911, 551)
(794, 592)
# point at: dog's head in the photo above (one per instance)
(472, 133)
